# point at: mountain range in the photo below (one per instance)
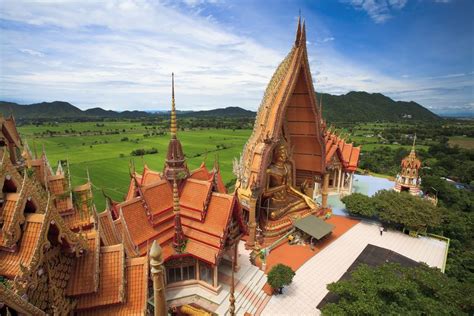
(353, 106)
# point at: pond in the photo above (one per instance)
(367, 185)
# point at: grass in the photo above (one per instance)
(104, 148)
(108, 158)
(462, 141)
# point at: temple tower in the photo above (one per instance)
(408, 180)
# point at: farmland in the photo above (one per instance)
(105, 148)
(107, 155)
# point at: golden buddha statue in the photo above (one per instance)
(280, 197)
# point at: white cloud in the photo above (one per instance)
(121, 54)
(31, 52)
(379, 10)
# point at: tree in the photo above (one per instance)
(406, 210)
(391, 289)
(359, 204)
(279, 276)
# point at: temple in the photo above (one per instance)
(188, 213)
(52, 258)
(291, 157)
(408, 180)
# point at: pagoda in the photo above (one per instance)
(188, 214)
(52, 261)
(291, 157)
(408, 180)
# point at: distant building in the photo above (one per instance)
(408, 180)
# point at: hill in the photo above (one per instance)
(350, 107)
(369, 107)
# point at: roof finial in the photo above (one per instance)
(178, 240)
(173, 127)
(303, 34)
(298, 32)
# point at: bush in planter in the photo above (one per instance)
(279, 276)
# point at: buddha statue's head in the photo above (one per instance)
(281, 153)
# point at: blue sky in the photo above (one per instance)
(119, 54)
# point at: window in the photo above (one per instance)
(182, 273)
(205, 272)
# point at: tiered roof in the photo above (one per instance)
(50, 249)
(154, 210)
(290, 112)
(411, 161)
(346, 153)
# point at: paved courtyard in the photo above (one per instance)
(309, 285)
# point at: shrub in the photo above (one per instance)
(279, 276)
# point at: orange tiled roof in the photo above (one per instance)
(202, 251)
(347, 153)
(149, 176)
(159, 196)
(200, 173)
(124, 237)
(135, 295)
(108, 231)
(56, 184)
(78, 219)
(84, 278)
(111, 280)
(8, 211)
(10, 266)
(137, 221)
(195, 194)
(218, 215)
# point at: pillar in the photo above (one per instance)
(339, 178)
(214, 281)
(236, 255)
(334, 182)
(198, 270)
(252, 223)
(232, 286)
(157, 271)
(351, 178)
(324, 195)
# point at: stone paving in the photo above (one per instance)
(309, 285)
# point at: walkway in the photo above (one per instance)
(309, 285)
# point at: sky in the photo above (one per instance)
(120, 54)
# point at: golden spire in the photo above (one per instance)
(174, 126)
(298, 32)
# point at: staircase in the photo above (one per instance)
(249, 295)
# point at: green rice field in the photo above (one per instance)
(107, 157)
(104, 148)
